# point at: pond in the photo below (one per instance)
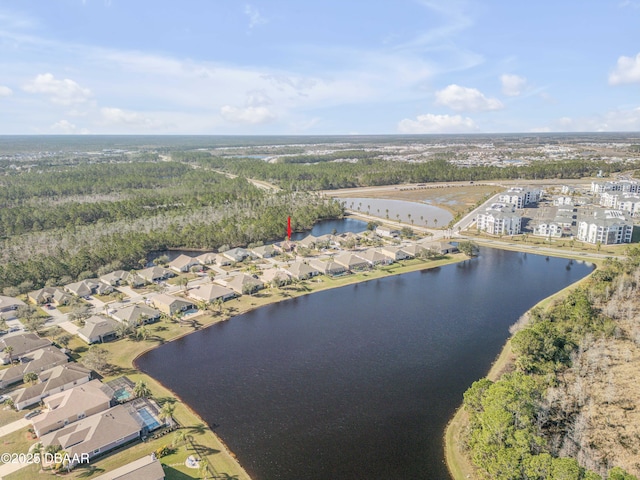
(420, 213)
(360, 381)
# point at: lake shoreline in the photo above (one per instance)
(458, 462)
(413, 266)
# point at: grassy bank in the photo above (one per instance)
(201, 440)
(458, 461)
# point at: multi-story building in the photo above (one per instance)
(499, 222)
(548, 229)
(626, 202)
(605, 227)
(624, 186)
(520, 197)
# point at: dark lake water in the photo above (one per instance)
(357, 382)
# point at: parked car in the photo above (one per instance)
(32, 414)
(14, 329)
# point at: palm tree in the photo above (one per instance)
(435, 222)
(9, 351)
(387, 212)
(31, 378)
(141, 390)
(142, 333)
(166, 412)
(181, 437)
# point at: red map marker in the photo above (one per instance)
(289, 228)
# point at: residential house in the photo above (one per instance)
(120, 277)
(243, 283)
(21, 344)
(307, 242)
(441, 248)
(236, 254)
(97, 434)
(54, 380)
(89, 287)
(72, 405)
(387, 232)
(207, 258)
(301, 271)
(145, 468)
(136, 315)
(265, 251)
(329, 267)
(223, 261)
(352, 262)
(169, 304)
(36, 362)
(394, 253)
(210, 293)
(375, 257)
(49, 295)
(184, 263)
(8, 304)
(98, 329)
(155, 274)
(275, 276)
(412, 250)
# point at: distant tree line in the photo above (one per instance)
(371, 171)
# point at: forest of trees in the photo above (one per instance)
(371, 171)
(63, 222)
(531, 423)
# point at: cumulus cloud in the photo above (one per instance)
(512, 85)
(64, 126)
(125, 118)
(463, 99)
(5, 91)
(430, 123)
(255, 18)
(619, 120)
(248, 115)
(627, 71)
(62, 92)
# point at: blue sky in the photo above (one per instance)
(318, 67)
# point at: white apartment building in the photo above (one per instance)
(626, 202)
(499, 222)
(520, 197)
(548, 229)
(606, 227)
(624, 186)
(562, 200)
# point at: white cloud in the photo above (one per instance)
(62, 92)
(627, 71)
(430, 123)
(124, 118)
(512, 85)
(5, 91)
(64, 126)
(463, 99)
(619, 120)
(248, 115)
(255, 18)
